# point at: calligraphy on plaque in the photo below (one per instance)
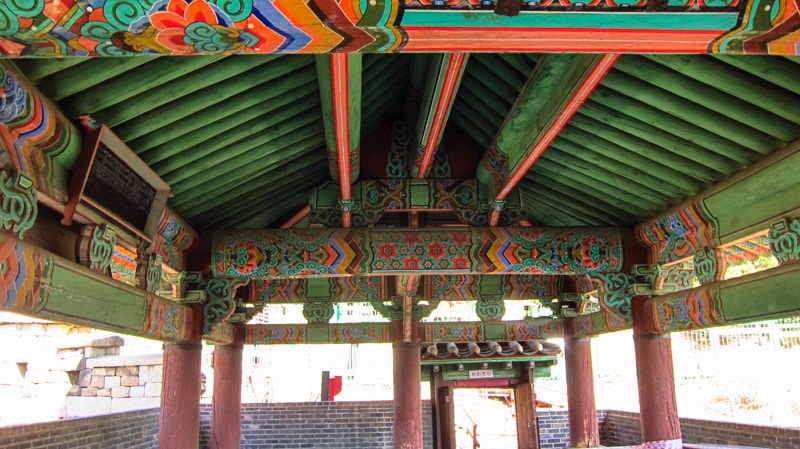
(110, 183)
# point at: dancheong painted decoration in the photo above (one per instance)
(274, 254)
(190, 27)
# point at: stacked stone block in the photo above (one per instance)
(114, 383)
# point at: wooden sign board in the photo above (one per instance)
(111, 184)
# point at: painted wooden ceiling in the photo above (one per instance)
(240, 139)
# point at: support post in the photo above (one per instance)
(226, 412)
(527, 423)
(179, 421)
(583, 428)
(447, 417)
(658, 409)
(407, 391)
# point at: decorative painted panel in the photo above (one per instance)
(39, 140)
(185, 27)
(18, 203)
(36, 283)
(304, 334)
(372, 199)
(697, 309)
(96, 247)
(24, 271)
(173, 237)
(287, 253)
(679, 234)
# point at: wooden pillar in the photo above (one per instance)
(527, 424)
(226, 412)
(583, 428)
(407, 392)
(447, 417)
(179, 421)
(658, 409)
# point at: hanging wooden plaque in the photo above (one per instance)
(110, 183)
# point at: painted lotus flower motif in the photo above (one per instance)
(590, 252)
(247, 257)
(198, 27)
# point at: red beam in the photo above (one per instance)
(341, 119)
(581, 95)
(455, 67)
(297, 218)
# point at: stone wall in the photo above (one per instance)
(622, 428)
(333, 425)
(132, 430)
(114, 383)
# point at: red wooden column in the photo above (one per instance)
(179, 421)
(658, 408)
(226, 412)
(525, 404)
(447, 417)
(407, 390)
(583, 428)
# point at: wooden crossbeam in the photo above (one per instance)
(296, 253)
(352, 26)
(442, 332)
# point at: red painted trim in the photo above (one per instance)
(585, 89)
(341, 119)
(455, 67)
(297, 218)
(598, 40)
(483, 383)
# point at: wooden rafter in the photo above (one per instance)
(551, 115)
(440, 92)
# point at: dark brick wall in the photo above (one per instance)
(334, 425)
(554, 428)
(132, 430)
(622, 428)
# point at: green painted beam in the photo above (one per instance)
(749, 88)
(771, 69)
(601, 170)
(52, 288)
(593, 189)
(712, 161)
(696, 93)
(654, 116)
(574, 216)
(615, 164)
(274, 78)
(276, 123)
(444, 79)
(194, 130)
(711, 120)
(36, 69)
(248, 172)
(77, 79)
(266, 217)
(344, 252)
(271, 334)
(340, 96)
(719, 215)
(201, 84)
(764, 295)
(574, 198)
(537, 106)
(136, 81)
